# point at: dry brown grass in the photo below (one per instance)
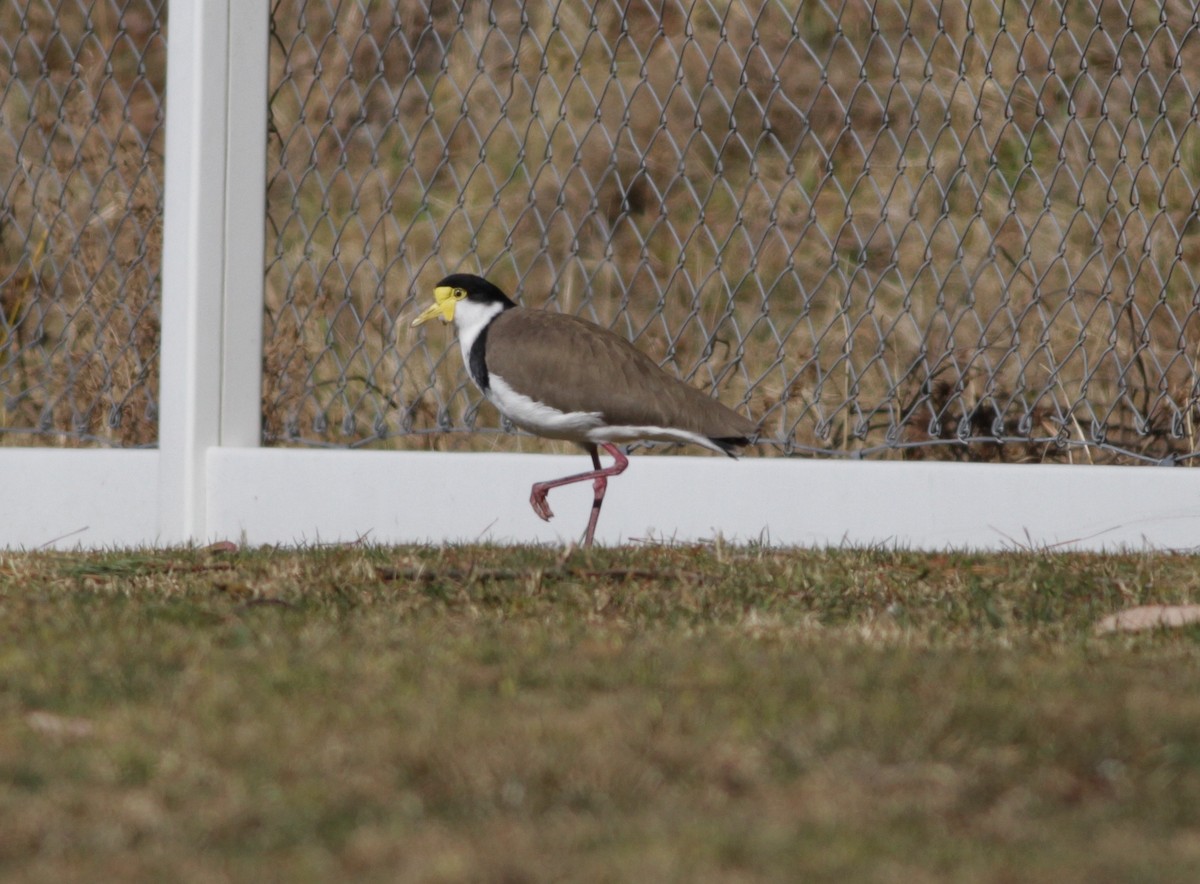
(81, 224)
(957, 231)
(893, 230)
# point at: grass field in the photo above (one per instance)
(661, 713)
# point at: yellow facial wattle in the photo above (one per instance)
(444, 299)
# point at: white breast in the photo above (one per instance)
(577, 426)
(536, 417)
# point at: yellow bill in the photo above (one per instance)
(442, 306)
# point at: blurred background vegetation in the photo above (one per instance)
(953, 231)
(81, 164)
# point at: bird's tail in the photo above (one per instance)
(730, 444)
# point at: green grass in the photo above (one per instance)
(662, 713)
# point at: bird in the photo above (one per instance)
(562, 377)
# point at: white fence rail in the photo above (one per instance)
(107, 498)
(209, 478)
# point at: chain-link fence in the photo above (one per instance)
(921, 229)
(81, 86)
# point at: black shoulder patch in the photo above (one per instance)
(478, 364)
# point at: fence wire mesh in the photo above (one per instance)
(926, 229)
(81, 87)
(919, 229)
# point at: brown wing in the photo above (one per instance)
(574, 365)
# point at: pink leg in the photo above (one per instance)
(599, 477)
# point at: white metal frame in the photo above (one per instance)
(209, 479)
(215, 203)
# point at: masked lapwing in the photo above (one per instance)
(563, 377)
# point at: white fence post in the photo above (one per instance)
(212, 275)
(245, 224)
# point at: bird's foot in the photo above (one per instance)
(537, 500)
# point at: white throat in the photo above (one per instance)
(470, 318)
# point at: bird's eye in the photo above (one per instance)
(459, 294)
